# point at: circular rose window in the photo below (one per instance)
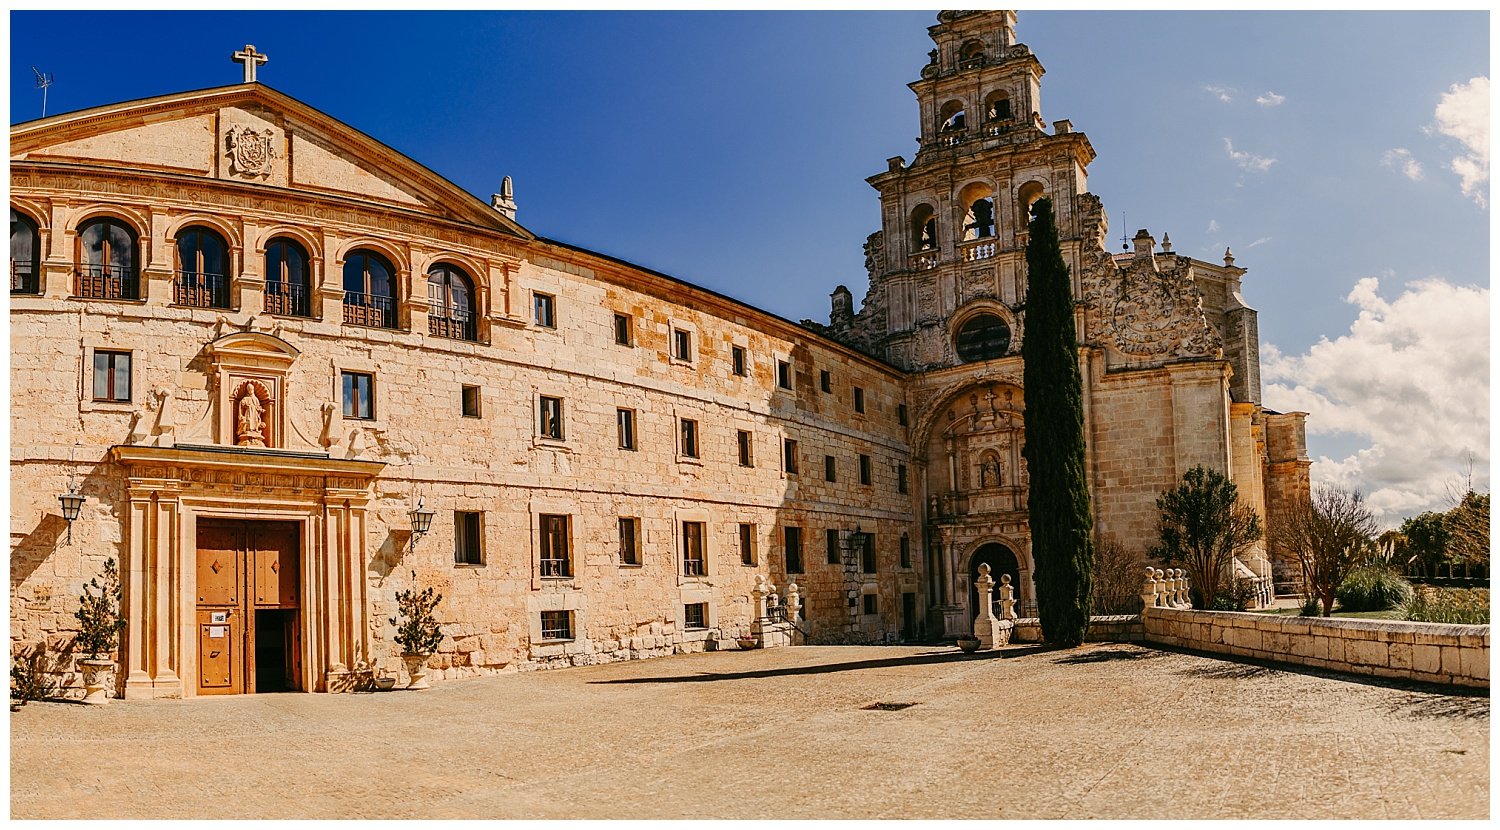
(983, 337)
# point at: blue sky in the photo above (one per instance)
(731, 149)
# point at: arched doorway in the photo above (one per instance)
(1001, 561)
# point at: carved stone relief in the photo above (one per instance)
(251, 151)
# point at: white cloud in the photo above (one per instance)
(1263, 240)
(1224, 94)
(1410, 378)
(1248, 161)
(1213, 226)
(1270, 99)
(1464, 114)
(1401, 157)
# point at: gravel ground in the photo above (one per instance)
(1103, 731)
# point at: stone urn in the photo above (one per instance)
(94, 670)
(747, 643)
(416, 666)
(968, 644)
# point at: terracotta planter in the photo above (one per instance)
(94, 671)
(968, 644)
(416, 666)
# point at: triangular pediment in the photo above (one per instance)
(249, 134)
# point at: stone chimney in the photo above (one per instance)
(1145, 244)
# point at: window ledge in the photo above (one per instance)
(468, 565)
(550, 443)
(633, 565)
(690, 460)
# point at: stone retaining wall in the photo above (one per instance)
(1432, 652)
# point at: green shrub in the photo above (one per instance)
(29, 679)
(1462, 606)
(1310, 607)
(1373, 588)
(98, 615)
(418, 631)
(1238, 596)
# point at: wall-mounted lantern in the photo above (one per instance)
(72, 503)
(421, 522)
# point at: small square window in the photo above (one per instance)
(905, 551)
(630, 547)
(544, 306)
(469, 400)
(789, 456)
(689, 438)
(550, 424)
(859, 400)
(792, 549)
(825, 381)
(830, 468)
(695, 615)
(112, 376)
(693, 561)
(901, 485)
(747, 448)
(359, 395)
(467, 533)
(834, 551)
(556, 556)
(784, 374)
(737, 360)
(557, 625)
(747, 544)
(623, 328)
(864, 470)
(625, 423)
(872, 604)
(682, 344)
(901, 416)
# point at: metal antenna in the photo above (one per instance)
(43, 80)
(1124, 234)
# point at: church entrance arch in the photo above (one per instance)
(1002, 560)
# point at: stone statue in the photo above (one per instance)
(251, 423)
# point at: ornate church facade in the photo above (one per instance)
(292, 372)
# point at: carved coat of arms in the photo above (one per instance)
(251, 151)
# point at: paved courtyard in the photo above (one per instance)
(1107, 730)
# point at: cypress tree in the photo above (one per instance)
(1062, 524)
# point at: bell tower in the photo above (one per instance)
(950, 255)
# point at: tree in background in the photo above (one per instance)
(1426, 537)
(1116, 578)
(1202, 525)
(1331, 532)
(1468, 526)
(1062, 523)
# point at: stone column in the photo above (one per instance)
(793, 602)
(1148, 591)
(1007, 598)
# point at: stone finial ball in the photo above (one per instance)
(984, 569)
(1004, 579)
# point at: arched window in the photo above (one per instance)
(972, 54)
(1027, 196)
(997, 107)
(982, 337)
(107, 261)
(450, 298)
(369, 290)
(923, 229)
(25, 255)
(951, 118)
(979, 211)
(202, 269)
(288, 279)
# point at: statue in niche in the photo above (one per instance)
(989, 474)
(250, 420)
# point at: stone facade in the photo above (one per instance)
(236, 308)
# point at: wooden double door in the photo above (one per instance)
(248, 609)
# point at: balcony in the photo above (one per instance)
(371, 310)
(693, 567)
(556, 567)
(923, 260)
(23, 279)
(978, 249)
(103, 282)
(947, 507)
(290, 300)
(457, 324)
(200, 290)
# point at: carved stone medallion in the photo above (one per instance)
(251, 151)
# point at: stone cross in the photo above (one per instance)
(250, 59)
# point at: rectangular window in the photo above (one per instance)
(792, 550)
(695, 615)
(359, 394)
(737, 360)
(825, 381)
(682, 344)
(625, 422)
(550, 424)
(112, 377)
(872, 604)
(630, 549)
(545, 307)
(689, 438)
(466, 536)
(901, 485)
(557, 625)
(905, 551)
(784, 374)
(747, 544)
(901, 416)
(859, 400)
(693, 563)
(747, 448)
(622, 329)
(469, 400)
(835, 552)
(867, 555)
(830, 468)
(556, 558)
(864, 469)
(789, 456)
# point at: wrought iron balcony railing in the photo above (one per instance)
(369, 310)
(103, 282)
(200, 289)
(289, 299)
(23, 279)
(454, 323)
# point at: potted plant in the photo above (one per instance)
(747, 641)
(417, 632)
(99, 625)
